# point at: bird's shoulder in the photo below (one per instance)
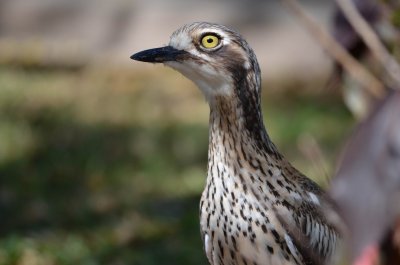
(304, 218)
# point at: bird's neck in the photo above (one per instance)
(236, 123)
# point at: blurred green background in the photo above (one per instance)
(102, 159)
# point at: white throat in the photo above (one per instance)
(210, 81)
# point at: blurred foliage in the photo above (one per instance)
(106, 166)
(396, 18)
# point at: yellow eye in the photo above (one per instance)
(210, 41)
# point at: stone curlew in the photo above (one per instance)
(256, 208)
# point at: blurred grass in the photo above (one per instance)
(106, 165)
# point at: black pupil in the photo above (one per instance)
(209, 40)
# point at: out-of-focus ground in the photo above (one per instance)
(102, 159)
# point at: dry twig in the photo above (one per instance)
(371, 39)
(352, 66)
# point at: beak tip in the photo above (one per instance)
(158, 55)
(143, 56)
(134, 57)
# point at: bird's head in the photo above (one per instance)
(217, 59)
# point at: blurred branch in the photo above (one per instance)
(310, 148)
(349, 63)
(371, 39)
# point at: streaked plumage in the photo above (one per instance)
(252, 194)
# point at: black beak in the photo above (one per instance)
(160, 55)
